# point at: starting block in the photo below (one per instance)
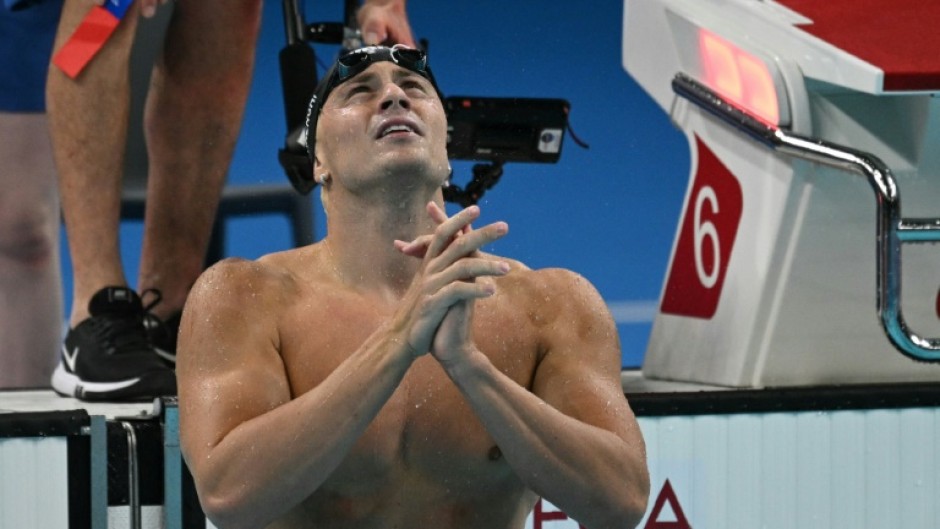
(808, 123)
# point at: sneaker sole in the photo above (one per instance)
(143, 388)
(168, 357)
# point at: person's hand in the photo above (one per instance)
(384, 22)
(419, 246)
(453, 339)
(149, 7)
(451, 265)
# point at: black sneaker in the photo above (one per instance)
(163, 334)
(109, 357)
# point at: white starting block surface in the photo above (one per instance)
(35, 401)
(72, 464)
(772, 279)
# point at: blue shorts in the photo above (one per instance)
(26, 38)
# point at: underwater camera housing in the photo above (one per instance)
(497, 130)
(511, 129)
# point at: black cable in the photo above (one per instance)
(485, 176)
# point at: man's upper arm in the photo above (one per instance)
(229, 369)
(579, 373)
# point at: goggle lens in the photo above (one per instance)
(356, 61)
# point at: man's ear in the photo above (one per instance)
(321, 173)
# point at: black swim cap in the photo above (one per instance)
(354, 62)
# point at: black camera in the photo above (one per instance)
(508, 129)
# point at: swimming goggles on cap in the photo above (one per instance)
(355, 61)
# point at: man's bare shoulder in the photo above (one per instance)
(545, 281)
(273, 278)
(549, 293)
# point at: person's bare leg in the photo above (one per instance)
(30, 284)
(194, 113)
(88, 124)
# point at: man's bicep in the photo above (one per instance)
(228, 368)
(579, 373)
(583, 389)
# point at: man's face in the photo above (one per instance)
(386, 122)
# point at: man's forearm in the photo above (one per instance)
(569, 462)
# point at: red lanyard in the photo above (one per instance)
(90, 36)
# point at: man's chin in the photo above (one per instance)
(414, 169)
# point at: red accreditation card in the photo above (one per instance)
(90, 36)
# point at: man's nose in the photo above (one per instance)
(394, 95)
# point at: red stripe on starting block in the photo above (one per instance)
(84, 44)
(899, 36)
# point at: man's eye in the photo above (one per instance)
(359, 89)
(413, 85)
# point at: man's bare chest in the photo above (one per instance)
(426, 436)
(426, 432)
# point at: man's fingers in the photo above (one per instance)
(473, 241)
(468, 269)
(457, 225)
(415, 248)
(436, 213)
(461, 291)
(426, 316)
(399, 32)
(148, 8)
(385, 23)
(418, 247)
(450, 227)
(461, 247)
(439, 291)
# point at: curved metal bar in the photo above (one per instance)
(891, 229)
(133, 482)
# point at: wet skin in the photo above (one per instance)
(362, 383)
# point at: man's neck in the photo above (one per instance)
(360, 243)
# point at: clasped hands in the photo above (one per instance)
(436, 314)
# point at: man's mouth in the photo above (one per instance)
(396, 129)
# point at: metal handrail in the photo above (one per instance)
(891, 230)
(133, 480)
